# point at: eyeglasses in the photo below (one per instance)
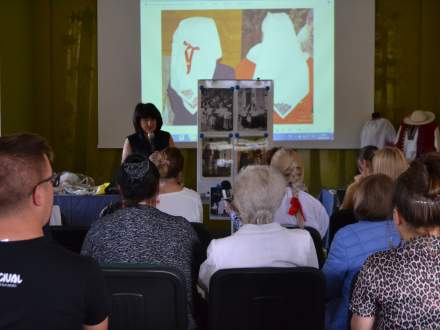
(51, 179)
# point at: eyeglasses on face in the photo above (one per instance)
(51, 179)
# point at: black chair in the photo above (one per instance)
(317, 240)
(267, 299)
(146, 297)
(204, 237)
(69, 237)
(339, 219)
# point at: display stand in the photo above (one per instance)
(235, 130)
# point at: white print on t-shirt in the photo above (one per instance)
(10, 280)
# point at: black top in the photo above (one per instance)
(401, 287)
(43, 286)
(141, 145)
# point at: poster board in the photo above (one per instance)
(234, 131)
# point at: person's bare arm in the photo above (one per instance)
(126, 150)
(101, 326)
(362, 323)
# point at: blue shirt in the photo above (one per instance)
(350, 248)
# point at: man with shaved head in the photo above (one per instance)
(42, 286)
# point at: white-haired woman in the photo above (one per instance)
(297, 208)
(258, 191)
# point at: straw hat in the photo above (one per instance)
(419, 117)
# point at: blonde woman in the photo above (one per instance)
(258, 191)
(174, 198)
(389, 161)
(297, 208)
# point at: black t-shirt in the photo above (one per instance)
(43, 286)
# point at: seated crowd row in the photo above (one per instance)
(395, 241)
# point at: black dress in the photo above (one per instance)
(141, 145)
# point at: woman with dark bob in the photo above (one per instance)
(375, 231)
(148, 136)
(138, 233)
(400, 288)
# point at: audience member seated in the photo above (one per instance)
(138, 233)
(260, 242)
(399, 289)
(390, 161)
(174, 198)
(365, 168)
(375, 231)
(42, 285)
(297, 208)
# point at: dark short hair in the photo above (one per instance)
(373, 200)
(138, 179)
(21, 167)
(146, 110)
(417, 195)
(367, 153)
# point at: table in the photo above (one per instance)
(82, 210)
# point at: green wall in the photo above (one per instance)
(49, 84)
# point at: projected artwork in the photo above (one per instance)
(274, 44)
(290, 43)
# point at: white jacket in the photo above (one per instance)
(269, 245)
(314, 212)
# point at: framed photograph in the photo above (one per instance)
(216, 107)
(217, 206)
(253, 109)
(250, 151)
(216, 157)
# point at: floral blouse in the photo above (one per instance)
(401, 287)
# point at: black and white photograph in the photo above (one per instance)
(252, 109)
(217, 204)
(216, 107)
(216, 157)
(250, 151)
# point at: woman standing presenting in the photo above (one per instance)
(149, 137)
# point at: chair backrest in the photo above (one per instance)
(146, 297)
(70, 237)
(203, 234)
(338, 220)
(267, 299)
(329, 199)
(317, 240)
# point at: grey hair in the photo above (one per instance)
(258, 192)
